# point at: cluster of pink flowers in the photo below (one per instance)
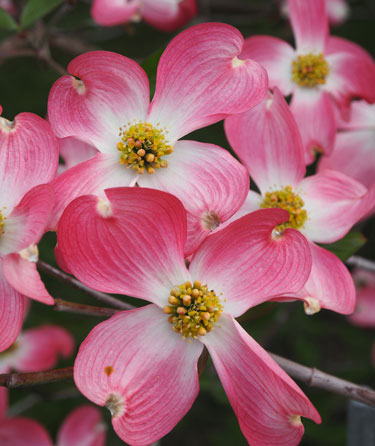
(139, 211)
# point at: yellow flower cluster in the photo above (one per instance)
(291, 202)
(310, 70)
(142, 145)
(193, 309)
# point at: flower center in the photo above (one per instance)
(2, 221)
(310, 70)
(142, 145)
(193, 309)
(291, 202)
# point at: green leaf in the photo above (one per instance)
(6, 21)
(347, 246)
(150, 65)
(36, 9)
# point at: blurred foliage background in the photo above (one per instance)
(56, 31)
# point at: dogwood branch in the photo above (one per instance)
(310, 376)
(316, 378)
(89, 310)
(360, 262)
(63, 277)
(14, 380)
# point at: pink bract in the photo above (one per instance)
(354, 152)
(337, 10)
(83, 427)
(134, 363)
(200, 80)
(37, 349)
(166, 15)
(351, 73)
(267, 140)
(28, 158)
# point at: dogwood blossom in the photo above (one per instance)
(142, 364)
(321, 72)
(28, 158)
(200, 80)
(323, 207)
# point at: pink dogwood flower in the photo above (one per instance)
(166, 15)
(364, 314)
(83, 427)
(323, 207)
(37, 349)
(322, 71)
(28, 158)
(142, 364)
(354, 152)
(200, 80)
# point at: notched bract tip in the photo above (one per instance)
(311, 305)
(104, 208)
(115, 404)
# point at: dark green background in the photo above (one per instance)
(326, 340)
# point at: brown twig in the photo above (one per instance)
(70, 44)
(310, 376)
(15, 380)
(90, 310)
(316, 378)
(63, 277)
(361, 262)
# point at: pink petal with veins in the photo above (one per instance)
(330, 284)
(276, 56)
(334, 203)
(137, 364)
(267, 403)
(267, 140)
(84, 426)
(201, 80)
(28, 156)
(23, 276)
(354, 155)
(247, 264)
(28, 220)
(310, 25)
(315, 116)
(11, 313)
(112, 90)
(351, 75)
(132, 243)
